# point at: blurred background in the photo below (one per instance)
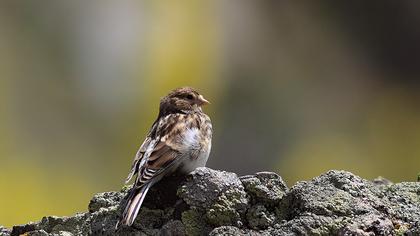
(296, 87)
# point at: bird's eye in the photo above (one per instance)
(190, 97)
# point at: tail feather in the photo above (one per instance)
(134, 204)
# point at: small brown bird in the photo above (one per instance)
(179, 141)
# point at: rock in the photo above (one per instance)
(210, 202)
(194, 222)
(4, 231)
(368, 224)
(410, 231)
(21, 229)
(204, 187)
(265, 187)
(381, 180)
(259, 217)
(54, 224)
(219, 194)
(173, 228)
(37, 233)
(339, 202)
(101, 222)
(227, 230)
(105, 200)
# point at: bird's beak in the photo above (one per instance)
(202, 100)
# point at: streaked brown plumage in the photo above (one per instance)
(179, 141)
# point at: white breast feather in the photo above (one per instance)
(191, 138)
(192, 145)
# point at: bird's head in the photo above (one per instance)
(184, 99)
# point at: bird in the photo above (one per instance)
(178, 142)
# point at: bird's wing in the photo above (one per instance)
(167, 149)
(160, 159)
(139, 160)
(160, 148)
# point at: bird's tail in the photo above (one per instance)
(133, 205)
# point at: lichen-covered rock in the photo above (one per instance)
(210, 202)
(4, 231)
(101, 222)
(411, 231)
(21, 229)
(310, 224)
(220, 194)
(229, 208)
(323, 200)
(105, 200)
(259, 217)
(204, 187)
(368, 224)
(173, 228)
(265, 187)
(339, 202)
(402, 201)
(226, 230)
(194, 222)
(37, 233)
(235, 231)
(54, 224)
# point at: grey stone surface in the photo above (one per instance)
(105, 200)
(265, 187)
(173, 228)
(4, 231)
(210, 202)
